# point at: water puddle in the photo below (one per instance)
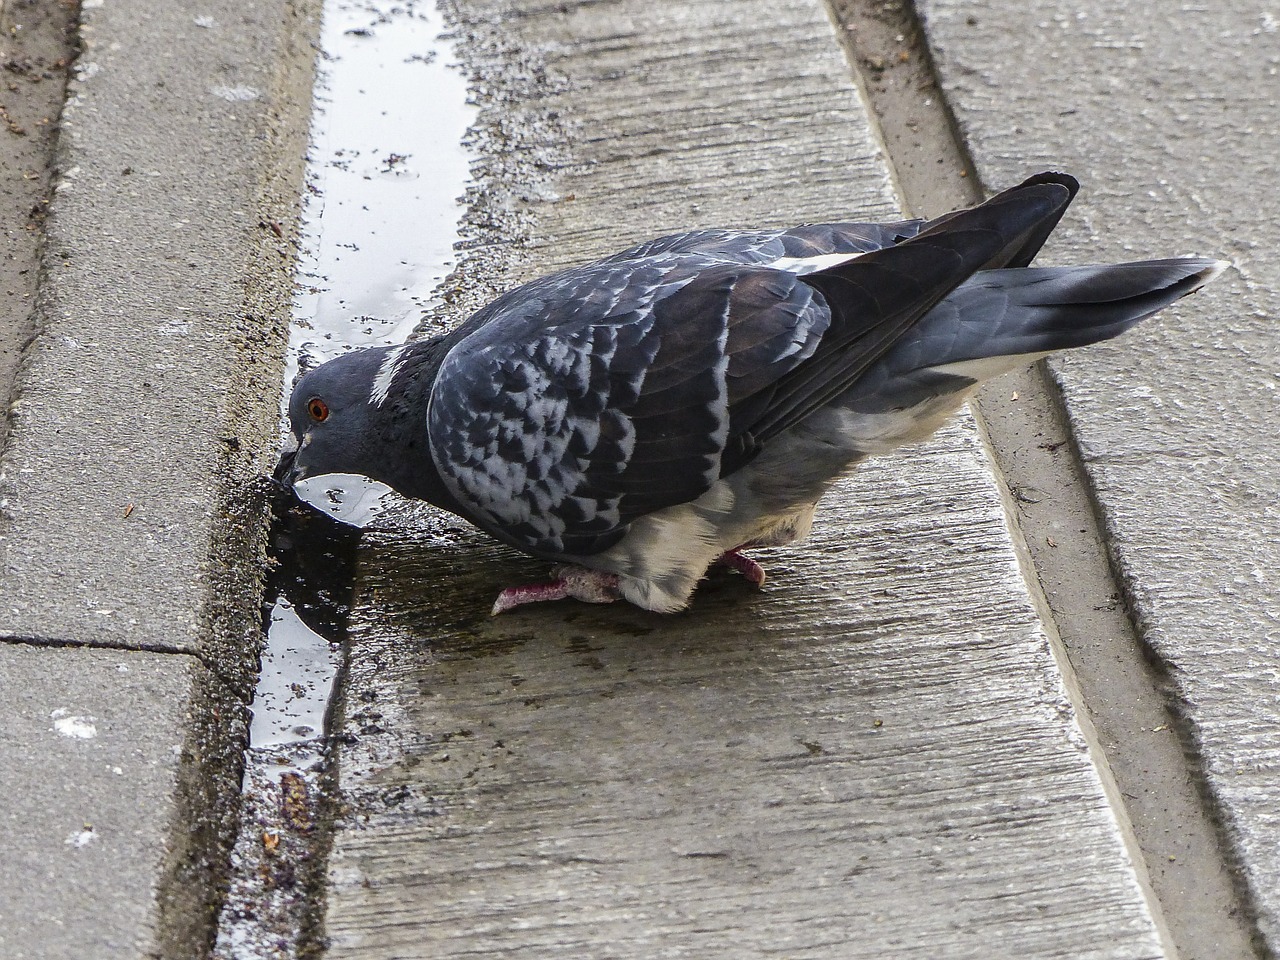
(386, 171)
(385, 175)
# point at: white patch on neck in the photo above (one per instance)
(386, 373)
(802, 265)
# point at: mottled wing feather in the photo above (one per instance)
(557, 425)
(577, 403)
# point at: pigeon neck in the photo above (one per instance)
(398, 441)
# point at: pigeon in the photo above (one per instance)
(639, 419)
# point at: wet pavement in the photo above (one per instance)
(884, 752)
(385, 176)
(386, 172)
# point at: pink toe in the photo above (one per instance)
(744, 565)
(590, 586)
(513, 597)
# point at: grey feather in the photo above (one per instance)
(1018, 315)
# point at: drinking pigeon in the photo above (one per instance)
(638, 419)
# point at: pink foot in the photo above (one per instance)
(590, 586)
(744, 565)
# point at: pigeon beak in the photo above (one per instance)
(286, 473)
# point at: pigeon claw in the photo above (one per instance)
(578, 583)
(735, 560)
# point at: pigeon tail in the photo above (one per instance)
(1002, 319)
(1032, 311)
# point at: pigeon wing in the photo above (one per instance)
(765, 246)
(607, 395)
(580, 402)
(874, 299)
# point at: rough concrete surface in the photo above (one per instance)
(90, 769)
(1124, 697)
(141, 414)
(144, 408)
(874, 756)
(1170, 123)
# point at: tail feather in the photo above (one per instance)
(1036, 310)
(1000, 319)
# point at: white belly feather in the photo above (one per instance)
(770, 502)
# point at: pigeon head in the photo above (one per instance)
(345, 418)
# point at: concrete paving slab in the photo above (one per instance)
(129, 513)
(873, 757)
(102, 763)
(1169, 121)
(148, 402)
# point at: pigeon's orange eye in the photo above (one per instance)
(318, 409)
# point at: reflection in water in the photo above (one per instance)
(313, 561)
(386, 172)
(347, 497)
